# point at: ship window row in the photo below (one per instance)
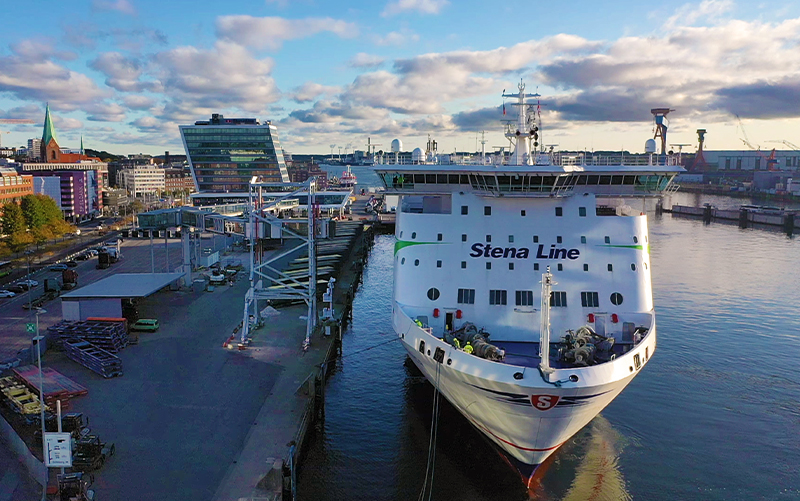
(525, 182)
(488, 264)
(488, 238)
(558, 299)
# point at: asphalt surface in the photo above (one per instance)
(15, 484)
(178, 416)
(182, 410)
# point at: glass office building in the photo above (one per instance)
(225, 153)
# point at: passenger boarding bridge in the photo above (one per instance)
(274, 211)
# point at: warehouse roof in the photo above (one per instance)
(124, 285)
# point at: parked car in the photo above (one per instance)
(18, 289)
(58, 267)
(71, 263)
(5, 293)
(83, 257)
(145, 324)
(30, 284)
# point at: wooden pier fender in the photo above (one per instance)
(743, 218)
(788, 223)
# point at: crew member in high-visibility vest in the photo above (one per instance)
(456, 343)
(468, 348)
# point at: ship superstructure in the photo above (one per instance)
(542, 266)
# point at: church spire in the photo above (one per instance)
(82, 153)
(49, 129)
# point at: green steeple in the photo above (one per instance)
(49, 128)
(82, 153)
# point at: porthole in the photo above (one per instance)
(413, 235)
(616, 299)
(636, 240)
(401, 234)
(633, 267)
(403, 261)
(416, 262)
(433, 293)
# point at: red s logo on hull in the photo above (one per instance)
(544, 402)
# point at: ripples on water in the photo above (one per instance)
(714, 416)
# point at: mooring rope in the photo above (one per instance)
(431, 467)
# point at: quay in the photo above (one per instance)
(195, 416)
(745, 216)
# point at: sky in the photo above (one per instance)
(123, 74)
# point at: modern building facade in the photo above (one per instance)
(50, 186)
(143, 180)
(225, 153)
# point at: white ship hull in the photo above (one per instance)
(527, 418)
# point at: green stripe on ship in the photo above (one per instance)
(637, 247)
(400, 244)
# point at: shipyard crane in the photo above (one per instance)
(15, 121)
(787, 143)
(680, 149)
(746, 139)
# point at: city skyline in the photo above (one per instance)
(125, 73)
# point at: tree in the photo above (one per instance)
(18, 241)
(12, 220)
(33, 211)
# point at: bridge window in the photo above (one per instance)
(590, 300)
(524, 298)
(466, 296)
(558, 299)
(497, 297)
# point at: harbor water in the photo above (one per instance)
(714, 416)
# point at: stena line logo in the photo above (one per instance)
(544, 402)
(486, 250)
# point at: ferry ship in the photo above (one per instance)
(522, 286)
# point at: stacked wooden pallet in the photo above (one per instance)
(20, 397)
(93, 358)
(56, 385)
(109, 335)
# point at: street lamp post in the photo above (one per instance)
(40, 311)
(28, 258)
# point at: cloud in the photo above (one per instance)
(123, 73)
(85, 35)
(66, 123)
(396, 38)
(364, 60)
(123, 6)
(327, 112)
(421, 6)
(761, 99)
(688, 14)
(477, 120)
(137, 102)
(223, 77)
(40, 50)
(271, 32)
(310, 91)
(104, 112)
(44, 80)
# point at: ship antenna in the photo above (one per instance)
(544, 335)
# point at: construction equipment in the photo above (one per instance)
(75, 487)
(91, 454)
(70, 279)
